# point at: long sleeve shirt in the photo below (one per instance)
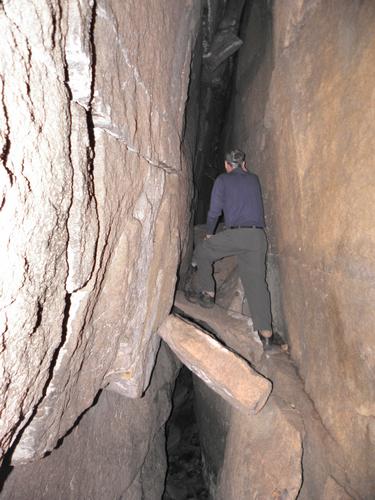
(238, 195)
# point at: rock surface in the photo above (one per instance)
(262, 457)
(94, 196)
(285, 451)
(333, 491)
(268, 454)
(236, 330)
(304, 112)
(116, 451)
(222, 370)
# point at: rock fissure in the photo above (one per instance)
(24, 444)
(26, 179)
(5, 137)
(81, 61)
(117, 134)
(318, 416)
(38, 319)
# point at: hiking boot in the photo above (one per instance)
(206, 300)
(189, 291)
(191, 296)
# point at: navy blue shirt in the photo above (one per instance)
(239, 197)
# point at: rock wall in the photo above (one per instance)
(95, 194)
(304, 111)
(245, 454)
(116, 451)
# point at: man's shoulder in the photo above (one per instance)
(254, 176)
(220, 178)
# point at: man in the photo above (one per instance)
(237, 195)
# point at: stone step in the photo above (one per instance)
(233, 329)
(221, 369)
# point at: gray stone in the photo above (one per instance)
(224, 45)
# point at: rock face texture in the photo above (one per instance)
(222, 370)
(95, 192)
(250, 468)
(304, 112)
(116, 451)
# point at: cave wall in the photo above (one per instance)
(117, 450)
(303, 110)
(95, 194)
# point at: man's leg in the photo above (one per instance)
(203, 258)
(206, 253)
(252, 268)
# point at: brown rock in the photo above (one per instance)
(233, 329)
(263, 457)
(333, 491)
(225, 372)
(117, 450)
(259, 457)
(303, 112)
(95, 195)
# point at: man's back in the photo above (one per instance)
(238, 195)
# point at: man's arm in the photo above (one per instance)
(216, 206)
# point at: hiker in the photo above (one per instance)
(237, 195)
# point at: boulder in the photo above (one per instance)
(233, 329)
(95, 195)
(225, 372)
(269, 448)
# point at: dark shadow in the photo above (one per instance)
(184, 478)
(77, 421)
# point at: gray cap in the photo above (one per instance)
(235, 157)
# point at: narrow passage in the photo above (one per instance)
(184, 477)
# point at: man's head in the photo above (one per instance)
(234, 159)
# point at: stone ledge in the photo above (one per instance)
(224, 371)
